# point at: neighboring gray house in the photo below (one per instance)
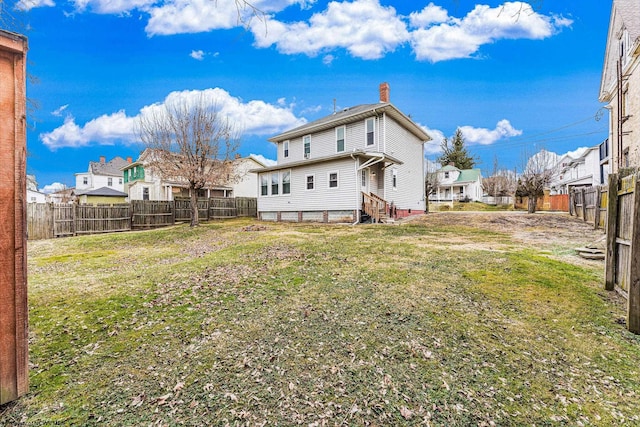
(363, 161)
(455, 184)
(102, 174)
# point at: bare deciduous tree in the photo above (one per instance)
(190, 143)
(537, 174)
(431, 183)
(501, 182)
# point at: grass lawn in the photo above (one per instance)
(287, 324)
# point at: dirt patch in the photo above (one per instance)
(557, 233)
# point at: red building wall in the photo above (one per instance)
(13, 243)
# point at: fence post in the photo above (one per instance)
(584, 204)
(612, 231)
(633, 314)
(596, 214)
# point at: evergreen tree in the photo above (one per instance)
(456, 152)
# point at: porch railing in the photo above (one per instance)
(374, 206)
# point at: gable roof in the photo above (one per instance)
(111, 168)
(468, 175)
(625, 14)
(102, 191)
(350, 115)
(449, 168)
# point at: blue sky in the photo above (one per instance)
(515, 76)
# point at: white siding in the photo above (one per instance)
(322, 197)
(323, 144)
(404, 146)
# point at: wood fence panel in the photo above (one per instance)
(559, 202)
(63, 220)
(247, 206)
(222, 208)
(623, 244)
(604, 207)
(182, 209)
(152, 214)
(92, 219)
(39, 221)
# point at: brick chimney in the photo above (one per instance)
(384, 92)
(129, 160)
(103, 160)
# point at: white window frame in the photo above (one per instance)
(373, 131)
(313, 182)
(286, 173)
(275, 182)
(337, 180)
(285, 149)
(344, 139)
(306, 143)
(85, 180)
(110, 182)
(264, 184)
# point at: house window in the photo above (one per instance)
(394, 178)
(333, 179)
(275, 178)
(307, 146)
(285, 149)
(340, 139)
(310, 181)
(446, 175)
(286, 182)
(369, 124)
(363, 178)
(145, 193)
(85, 180)
(264, 185)
(120, 181)
(625, 158)
(110, 182)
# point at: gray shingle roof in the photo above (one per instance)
(111, 168)
(350, 115)
(102, 191)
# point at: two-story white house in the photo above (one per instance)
(102, 174)
(361, 162)
(143, 182)
(455, 184)
(586, 170)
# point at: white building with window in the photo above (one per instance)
(103, 174)
(455, 184)
(346, 166)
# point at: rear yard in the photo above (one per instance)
(451, 319)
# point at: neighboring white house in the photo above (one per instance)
(142, 182)
(33, 195)
(455, 184)
(102, 174)
(347, 164)
(620, 84)
(586, 170)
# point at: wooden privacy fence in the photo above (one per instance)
(590, 204)
(622, 269)
(45, 221)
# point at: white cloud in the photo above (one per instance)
(483, 136)
(197, 54)
(265, 161)
(52, 188)
(58, 112)
(575, 153)
(433, 146)
(328, 59)
(431, 14)
(462, 38)
(253, 117)
(195, 16)
(363, 27)
(115, 7)
(26, 5)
